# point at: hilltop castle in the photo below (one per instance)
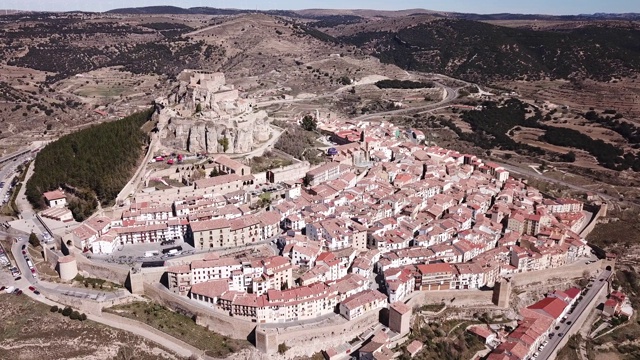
(202, 110)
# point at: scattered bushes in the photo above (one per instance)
(70, 313)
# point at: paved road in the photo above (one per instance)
(450, 95)
(8, 172)
(59, 289)
(531, 173)
(132, 185)
(165, 340)
(570, 323)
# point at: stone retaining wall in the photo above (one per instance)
(218, 322)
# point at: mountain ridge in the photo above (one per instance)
(318, 12)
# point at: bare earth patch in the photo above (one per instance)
(28, 330)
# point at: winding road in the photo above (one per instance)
(450, 95)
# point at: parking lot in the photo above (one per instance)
(266, 188)
(135, 253)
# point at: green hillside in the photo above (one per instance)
(96, 162)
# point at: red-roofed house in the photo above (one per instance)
(436, 276)
(484, 332)
(361, 303)
(552, 307)
(55, 198)
(414, 348)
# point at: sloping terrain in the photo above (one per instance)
(28, 330)
(479, 51)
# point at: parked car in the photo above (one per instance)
(32, 288)
(18, 278)
(36, 292)
(19, 292)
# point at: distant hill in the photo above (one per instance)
(371, 13)
(173, 10)
(581, 17)
(478, 51)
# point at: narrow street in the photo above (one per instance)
(566, 327)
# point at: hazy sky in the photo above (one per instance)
(555, 7)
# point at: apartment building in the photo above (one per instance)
(362, 303)
(324, 173)
(399, 283)
(437, 276)
(222, 233)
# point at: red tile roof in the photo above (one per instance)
(573, 292)
(551, 306)
(435, 268)
(54, 195)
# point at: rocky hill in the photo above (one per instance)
(482, 52)
(205, 115)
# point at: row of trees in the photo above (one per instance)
(492, 125)
(403, 84)
(92, 163)
(626, 129)
(68, 312)
(608, 155)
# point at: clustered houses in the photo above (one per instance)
(617, 305)
(424, 218)
(208, 215)
(536, 323)
(257, 276)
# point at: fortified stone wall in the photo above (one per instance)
(115, 273)
(291, 172)
(221, 323)
(602, 211)
(202, 110)
(305, 340)
(454, 297)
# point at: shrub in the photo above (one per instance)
(74, 315)
(67, 311)
(83, 317)
(33, 240)
(53, 309)
(282, 348)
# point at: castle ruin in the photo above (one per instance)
(203, 110)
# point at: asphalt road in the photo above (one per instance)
(451, 94)
(567, 326)
(8, 172)
(531, 173)
(59, 289)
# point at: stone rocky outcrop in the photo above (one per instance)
(202, 111)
